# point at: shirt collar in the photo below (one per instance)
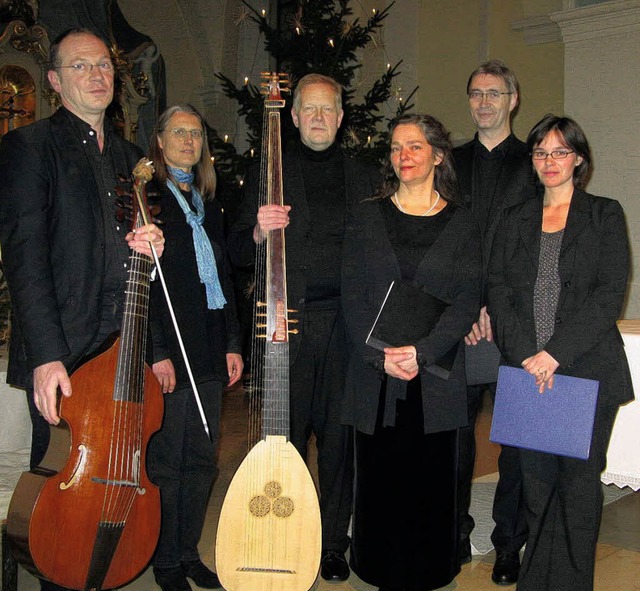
(84, 129)
(500, 151)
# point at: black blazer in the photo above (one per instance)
(361, 181)
(53, 245)
(208, 335)
(593, 267)
(515, 184)
(450, 271)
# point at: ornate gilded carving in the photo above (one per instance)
(32, 40)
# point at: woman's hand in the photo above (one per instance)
(235, 366)
(165, 374)
(140, 238)
(401, 362)
(542, 367)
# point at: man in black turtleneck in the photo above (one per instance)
(321, 183)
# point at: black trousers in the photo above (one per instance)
(510, 531)
(563, 498)
(182, 462)
(317, 386)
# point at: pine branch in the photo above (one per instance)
(315, 36)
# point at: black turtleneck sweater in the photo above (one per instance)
(323, 174)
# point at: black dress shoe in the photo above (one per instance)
(334, 567)
(171, 579)
(201, 575)
(465, 551)
(506, 568)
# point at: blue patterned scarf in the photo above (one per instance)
(205, 258)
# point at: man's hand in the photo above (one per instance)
(139, 239)
(165, 374)
(270, 217)
(401, 362)
(481, 329)
(235, 366)
(46, 380)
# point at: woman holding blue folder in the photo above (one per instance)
(557, 281)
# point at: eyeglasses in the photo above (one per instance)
(555, 154)
(182, 133)
(490, 95)
(85, 67)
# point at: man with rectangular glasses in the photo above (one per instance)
(494, 172)
(66, 255)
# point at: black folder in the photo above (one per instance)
(558, 421)
(408, 314)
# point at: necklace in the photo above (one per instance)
(395, 196)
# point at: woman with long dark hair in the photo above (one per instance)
(406, 411)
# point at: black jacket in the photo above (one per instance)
(208, 335)
(53, 245)
(515, 184)
(450, 271)
(360, 182)
(593, 267)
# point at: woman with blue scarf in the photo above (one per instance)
(182, 458)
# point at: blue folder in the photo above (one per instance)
(559, 421)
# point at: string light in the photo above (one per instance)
(295, 22)
(241, 182)
(213, 159)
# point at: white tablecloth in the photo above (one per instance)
(623, 457)
(15, 438)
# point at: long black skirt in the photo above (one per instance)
(405, 519)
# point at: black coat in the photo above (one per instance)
(593, 267)
(515, 184)
(208, 335)
(450, 271)
(360, 182)
(53, 244)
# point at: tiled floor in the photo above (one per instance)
(618, 561)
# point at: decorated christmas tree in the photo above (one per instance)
(321, 36)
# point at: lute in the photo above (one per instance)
(269, 533)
